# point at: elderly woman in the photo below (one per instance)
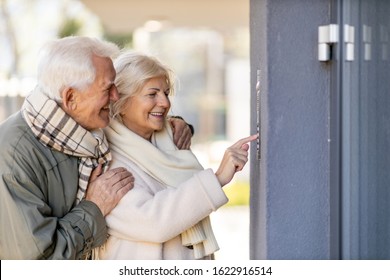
(166, 215)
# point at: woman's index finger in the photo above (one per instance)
(245, 140)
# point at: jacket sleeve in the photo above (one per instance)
(144, 216)
(30, 230)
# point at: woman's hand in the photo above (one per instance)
(234, 160)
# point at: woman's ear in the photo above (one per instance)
(68, 99)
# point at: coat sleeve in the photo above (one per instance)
(144, 216)
(30, 229)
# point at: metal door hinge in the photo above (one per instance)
(328, 35)
(384, 42)
(349, 40)
(367, 40)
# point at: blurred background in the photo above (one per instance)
(206, 42)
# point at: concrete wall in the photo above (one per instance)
(290, 189)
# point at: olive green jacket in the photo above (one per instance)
(38, 185)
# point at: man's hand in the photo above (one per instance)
(181, 133)
(105, 190)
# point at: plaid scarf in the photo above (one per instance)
(57, 130)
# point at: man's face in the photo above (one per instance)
(91, 109)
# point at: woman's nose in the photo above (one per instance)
(114, 94)
(163, 100)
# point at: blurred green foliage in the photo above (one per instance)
(238, 193)
(70, 27)
(124, 40)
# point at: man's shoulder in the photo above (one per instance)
(14, 129)
(20, 144)
(16, 134)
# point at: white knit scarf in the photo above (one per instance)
(57, 130)
(162, 160)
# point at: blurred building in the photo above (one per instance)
(205, 42)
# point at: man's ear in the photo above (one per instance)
(68, 99)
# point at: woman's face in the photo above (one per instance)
(146, 111)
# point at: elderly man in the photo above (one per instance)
(54, 193)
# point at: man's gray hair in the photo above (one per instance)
(67, 62)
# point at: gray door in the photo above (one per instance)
(364, 87)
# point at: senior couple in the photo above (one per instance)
(93, 167)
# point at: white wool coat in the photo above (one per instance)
(148, 221)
